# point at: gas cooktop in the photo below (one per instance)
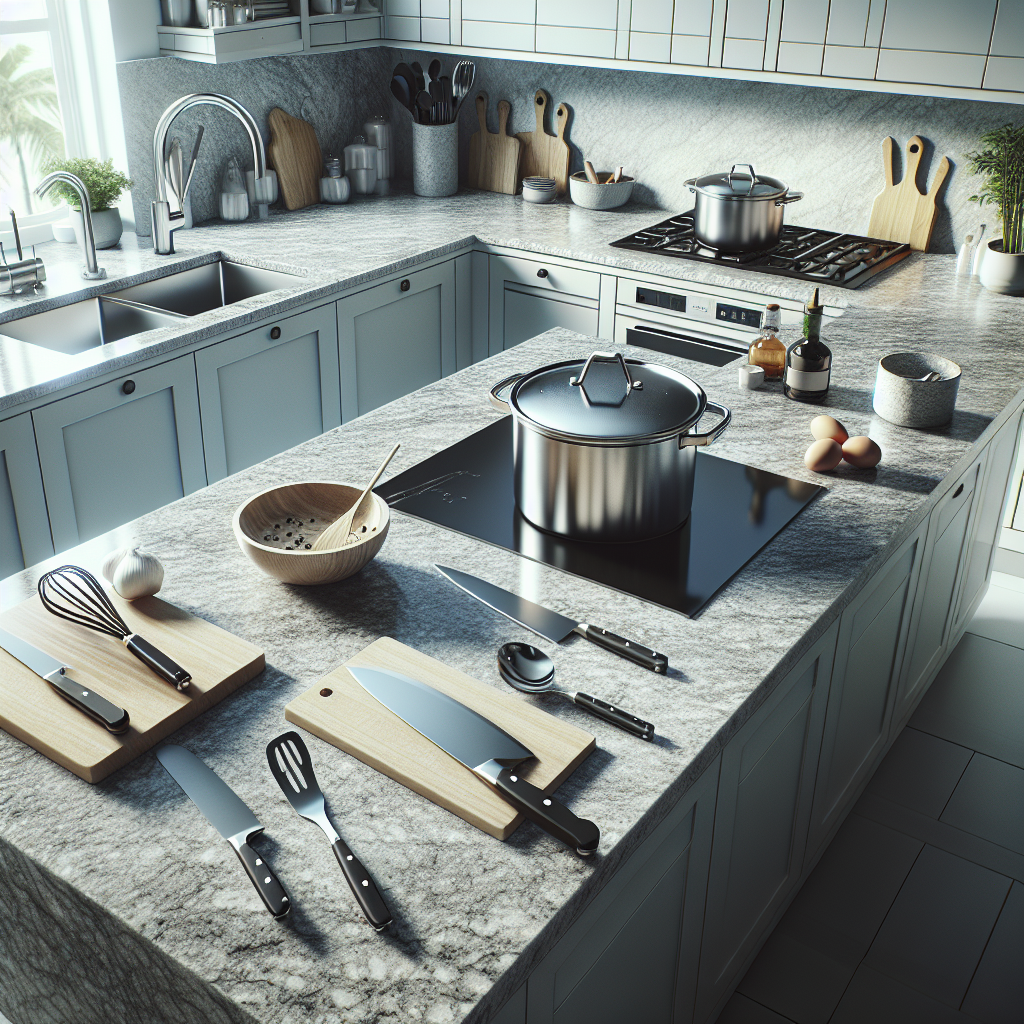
(736, 511)
(824, 257)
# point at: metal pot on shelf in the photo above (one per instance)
(739, 212)
(605, 449)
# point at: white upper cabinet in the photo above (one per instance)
(1005, 68)
(746, 29)
(691, 32)
(802, 37)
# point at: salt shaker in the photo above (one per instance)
(361, 165)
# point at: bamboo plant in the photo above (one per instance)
(1001, 161)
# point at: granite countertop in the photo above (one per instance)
(331, 248)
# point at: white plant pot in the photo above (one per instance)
(106, 227)
(1000, 271)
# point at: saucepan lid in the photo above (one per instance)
(739, 183)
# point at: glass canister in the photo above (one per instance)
(361, 165)
(234, 202)
(378, 133)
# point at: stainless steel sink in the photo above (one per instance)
(80, 326)
(208, 287)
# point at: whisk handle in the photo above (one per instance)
(155, 659)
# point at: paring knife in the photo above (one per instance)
(292, 766)
(548, 624)
(229, 816)
(481, 746)
(110, 716)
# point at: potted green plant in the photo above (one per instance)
(1001, 162)
(105, 184)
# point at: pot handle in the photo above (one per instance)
(790, 197)
(690, 183)
(607, 357)
(701, 440)
(501, 404)
(753, 176)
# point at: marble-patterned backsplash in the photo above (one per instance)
(663, 128)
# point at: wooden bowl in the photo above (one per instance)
(322, 501)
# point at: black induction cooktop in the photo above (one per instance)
(736, 510)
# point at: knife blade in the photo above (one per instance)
(88, 701)
(489, 752)
(229, 815)
(548, 624)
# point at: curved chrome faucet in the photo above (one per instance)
(91, 272)
(165, 219)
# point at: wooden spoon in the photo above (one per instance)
(591, 173)
(336, 535)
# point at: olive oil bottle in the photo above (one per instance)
(809, 360)
(767, 350)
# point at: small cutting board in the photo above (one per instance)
(542, 154)
(340, 711)
(295, 154)
(35, 713)
(493, 158)
(903, 213)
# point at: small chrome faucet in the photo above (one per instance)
(167, 212)
(91, 272)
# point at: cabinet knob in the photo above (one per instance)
(275, 333)
(542, 272)
(405, 285)
(128, 387)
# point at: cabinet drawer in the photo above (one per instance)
(327, 33)
(547, 276)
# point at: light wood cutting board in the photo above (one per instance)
(903, 213)
(295, 154)
(493, 158)
(340, 711)
(543, 154)
(34, 712)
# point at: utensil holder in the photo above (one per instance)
(903, 399)
(435, 159)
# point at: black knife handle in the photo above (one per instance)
(363, 888)
(155, 659)
(270, 889)
(627, 649)
(110, 716)
(555, 818)
(610, 713)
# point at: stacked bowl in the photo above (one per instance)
(539, 190)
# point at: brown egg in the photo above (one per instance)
(862, 452)
(823, 455)
(829, 426)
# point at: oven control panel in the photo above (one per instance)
(742, 316)
(696, 306)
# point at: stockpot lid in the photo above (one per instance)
(608, 400)
(740, 183)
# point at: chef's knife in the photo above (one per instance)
(481, 746)
(549, 624)
(229, 816)
(110, 716)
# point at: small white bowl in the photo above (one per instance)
(599, 197)
(537, 193)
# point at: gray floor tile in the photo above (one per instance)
(846, 897)
(996, 995)
(740, 1010)
(797, 980)
(920, 771)
(977, 700)
(933, 937)
(873, 998)
(989, 802)
(1000, 616)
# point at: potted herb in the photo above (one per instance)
(104, 184)
(1001, 162)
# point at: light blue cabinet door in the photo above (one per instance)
(269, 390)
(396, 338)
(24, 524)
(761, 821)
(117, 451)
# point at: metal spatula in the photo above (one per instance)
(292, 767)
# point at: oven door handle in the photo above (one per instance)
(638, 334)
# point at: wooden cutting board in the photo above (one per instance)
(493, 158)
(340, 711)
(903, 213)
(294, 153)
(34, 712)
(543, 154)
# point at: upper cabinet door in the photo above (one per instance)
(691, 32)
(802, 37)
(746, 29)
(24, 526)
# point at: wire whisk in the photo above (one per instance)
(73, 593)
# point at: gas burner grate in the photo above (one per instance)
(828, 257)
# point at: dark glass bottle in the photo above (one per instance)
(809, 360)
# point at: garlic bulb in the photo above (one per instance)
(134, 573)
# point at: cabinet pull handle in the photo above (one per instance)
(128, 387)
(958, 491)
(542, 272)
(405, 285)
(275, 333)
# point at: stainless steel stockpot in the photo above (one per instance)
(738, 212)
(605, 449)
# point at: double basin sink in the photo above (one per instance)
(89, 323)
